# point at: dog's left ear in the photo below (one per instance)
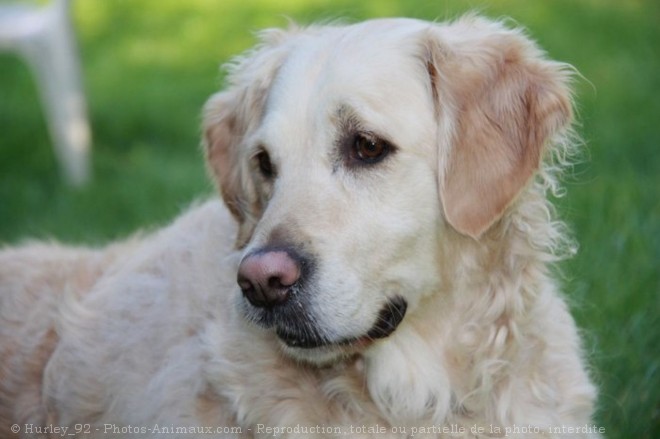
(501, 101)
(231, 116)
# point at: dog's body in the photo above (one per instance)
(387, 218)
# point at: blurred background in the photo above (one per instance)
(149, 66)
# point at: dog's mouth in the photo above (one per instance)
(306, 337)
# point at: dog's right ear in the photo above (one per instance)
(231, 116)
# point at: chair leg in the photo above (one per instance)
(52, 55)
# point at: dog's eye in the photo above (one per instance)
(370, 149)
(265, 166)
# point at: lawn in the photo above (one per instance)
(150, 65)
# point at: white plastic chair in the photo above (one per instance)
(43, 35)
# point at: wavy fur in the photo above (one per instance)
(456, 221)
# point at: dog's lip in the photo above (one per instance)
(294, 340)
(389, 318)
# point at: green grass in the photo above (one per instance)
(150, 65)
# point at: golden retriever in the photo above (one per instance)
(380, 266)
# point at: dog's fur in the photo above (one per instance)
(454, 221)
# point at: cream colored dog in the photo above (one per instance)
(381, 269)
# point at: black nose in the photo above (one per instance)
(266, 276)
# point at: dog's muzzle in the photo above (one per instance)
(274, 281)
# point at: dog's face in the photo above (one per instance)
(349, 154)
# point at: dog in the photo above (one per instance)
(380, 266)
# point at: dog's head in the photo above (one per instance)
(349, 154)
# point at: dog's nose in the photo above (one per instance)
(265, 277)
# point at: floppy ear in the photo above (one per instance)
(506, 102)
(229, 119)
(224, 130)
